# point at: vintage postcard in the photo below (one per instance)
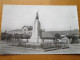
(40, 29)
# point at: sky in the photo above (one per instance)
(51, 17)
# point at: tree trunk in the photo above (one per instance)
(27, 40)
(56, 43)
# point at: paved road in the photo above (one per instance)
(6, 49)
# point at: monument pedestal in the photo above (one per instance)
(34, 41)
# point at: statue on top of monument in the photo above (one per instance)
(37, 17)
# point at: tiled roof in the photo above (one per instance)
(51, 34)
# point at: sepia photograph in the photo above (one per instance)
(40, 29)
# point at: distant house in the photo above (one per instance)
(48, 35)
(65, 39)
(24, 30)
(51, 34)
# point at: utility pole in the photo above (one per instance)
(70, 30)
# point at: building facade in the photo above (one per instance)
(24, 30)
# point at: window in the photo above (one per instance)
(24, 29)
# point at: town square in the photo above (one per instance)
(39, 30)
